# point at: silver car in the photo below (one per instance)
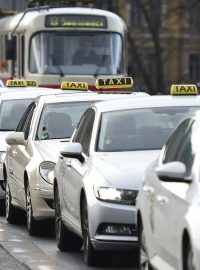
(99, 173)
(168, 205)
(33, 151)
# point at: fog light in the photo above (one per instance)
(118, 229)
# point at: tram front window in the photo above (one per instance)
(84, 53)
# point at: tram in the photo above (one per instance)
(41, 44)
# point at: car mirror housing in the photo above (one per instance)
(73, 150)
(172, 172)
(15, 138)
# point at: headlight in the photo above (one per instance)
(47, 171)
(2, 157)
(116, 195)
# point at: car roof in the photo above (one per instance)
(28, 92)
(148, 102)
(82, 97)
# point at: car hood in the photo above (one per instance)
(50, 149)
(124, 169)
(3, 144)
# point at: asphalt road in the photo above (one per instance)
(41, 253)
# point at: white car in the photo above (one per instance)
(13, 103)
(33, 151)
(168, 205)
(100, 171)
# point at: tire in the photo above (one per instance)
(65, 239)
(143, 255)
(189, 264)
(91, 256)
(31, 223)
(3, 185)
(11, 211)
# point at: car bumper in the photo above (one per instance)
(103, 215)
(42, 203)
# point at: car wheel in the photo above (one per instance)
(189, 258)
(3, 185)
(32, 224)
(90, 254)
(65, 239)
(11, 215)
(143, 255)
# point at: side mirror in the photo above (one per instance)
(15, 138)
(10, 49)
(173, 172)
(73, 150)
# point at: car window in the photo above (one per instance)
(137, 129)
(11, 112)
(87, 133)
(81, 126)
(189, 147)
(175, 142)
(28, 123)
(58, 120)
(20, 127)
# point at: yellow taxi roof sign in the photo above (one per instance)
(16, 83)
(21, 83)
(83, 86)
(106, 83)
(184, 89)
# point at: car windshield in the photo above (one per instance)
(59, 120)
(11, 112)
(87, 53)
(138, 129)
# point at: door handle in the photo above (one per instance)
(68, 163)
(162, 200)
(14, 152)
(149, 190)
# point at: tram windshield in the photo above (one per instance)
(82, 53)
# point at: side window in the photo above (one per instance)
(85, 128)
(81, 126)
(189, 147)
(87, 134)
(175, 142)
(20, 127)
(28, 123)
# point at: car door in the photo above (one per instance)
(12, 156)
(75, 171)
(22, 157)
(171, 199)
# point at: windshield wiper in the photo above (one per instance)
(58, 66)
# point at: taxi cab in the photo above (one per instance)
(168, 207)
(33, 150)
(14, 100)
(99, 172)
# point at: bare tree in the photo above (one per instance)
(160, 35)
